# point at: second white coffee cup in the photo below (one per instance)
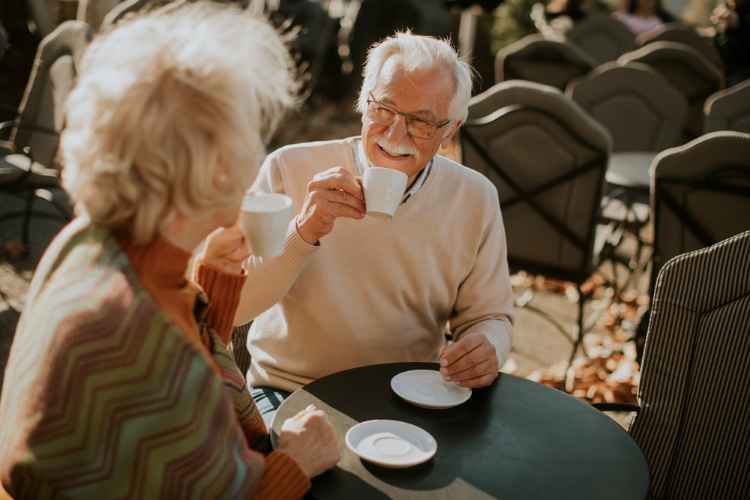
(384, 188)
(264, 219)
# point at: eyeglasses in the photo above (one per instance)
(418, 128)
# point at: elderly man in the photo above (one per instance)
(350, 290)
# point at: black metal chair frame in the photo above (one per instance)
(21, 187)
(711, 182)
(527, 197)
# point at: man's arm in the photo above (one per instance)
(331, 194)
(483, 313)
(270, 279)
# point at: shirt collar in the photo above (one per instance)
(362, 163)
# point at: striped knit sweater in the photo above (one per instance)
(106, 396)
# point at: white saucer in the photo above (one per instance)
(391, 443)
(426, 388)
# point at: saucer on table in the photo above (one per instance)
(426, 388)
(391, 443)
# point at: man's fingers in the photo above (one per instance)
(485, 367)
(343, 198)
(339, 181)
(459, 349)
(339, 210)
(468, 361)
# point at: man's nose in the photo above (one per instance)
(397, 130)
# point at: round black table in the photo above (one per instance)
(513, 440)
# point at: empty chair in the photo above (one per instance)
(645, 115)
(694, 395)
(93, 12)
(640, 109)
(729, 109)
(687, 70)
(26, 160)
(680, 33)
(547, 158)
(124, 8)
(536, 59)
(45, 15)
(39, 122)
(602, 37)
(700, 194)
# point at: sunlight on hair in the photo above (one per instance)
(419, 52)
(170, 114)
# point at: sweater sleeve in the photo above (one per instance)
(282, 479)
(248, 416)
(223, 292)
(485, 298)
(270, 279)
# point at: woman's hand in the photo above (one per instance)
(309, 439)
(226, 250)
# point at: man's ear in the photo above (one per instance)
(449, 133)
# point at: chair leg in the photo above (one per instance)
(579, 335)
(26, 227)
(524, 302)
(570, 371)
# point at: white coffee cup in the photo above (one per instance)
(264, 219)
(384, 189)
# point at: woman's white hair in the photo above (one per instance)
(170, 113)
(417, 52)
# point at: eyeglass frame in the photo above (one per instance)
(407, 117)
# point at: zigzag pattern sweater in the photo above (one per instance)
(112, 391)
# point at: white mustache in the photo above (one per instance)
(396, 150)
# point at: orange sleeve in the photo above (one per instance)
(4, 494)
(282, 479)
(223, 291)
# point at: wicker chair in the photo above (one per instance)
(691, 423)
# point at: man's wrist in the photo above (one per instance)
(301, 231)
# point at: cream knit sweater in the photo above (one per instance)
(376, 291)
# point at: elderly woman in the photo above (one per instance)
(119, 383)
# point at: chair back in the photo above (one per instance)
(93, 12)
(536, 59)
(680, 33)
(638, 107)
(122, 9)
(45, 15)
(695, 381)
(602, 37)
(700, 194)
(547, 158)
(729, 109)
(688, 71)
(52, 77)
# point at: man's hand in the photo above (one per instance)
(226, 250)
(470, 362)
(330, 194)
(309, 439)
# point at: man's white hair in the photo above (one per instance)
(417, 52)
(169, 115)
